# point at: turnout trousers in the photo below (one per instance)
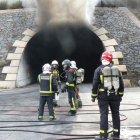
(114, 106)
(49, 100)
(77, 98)
(71, 98)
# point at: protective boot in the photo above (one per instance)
(99, 138)
(114, 136)
(40, 118)
(56, 105)
(52, 119)
(70, 113)
(79, 103)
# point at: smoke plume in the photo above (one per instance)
(67, 11)
(29, 3)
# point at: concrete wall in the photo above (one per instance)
(12, 24)
(23, 77)
(119, 24)
(124, 27)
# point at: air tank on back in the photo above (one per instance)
(107, 78)
(80, 76)
(115, 77)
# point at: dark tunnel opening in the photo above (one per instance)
(73, 42)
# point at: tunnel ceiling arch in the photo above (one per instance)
(18, 71)
(73, 42)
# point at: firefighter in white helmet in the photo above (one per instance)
(108, 87)
(55, 72)
(48, 86)
(77, 97)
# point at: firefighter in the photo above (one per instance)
(55, 72)
(77, 96)
(48, 86)
(69, 86)
(109, 93)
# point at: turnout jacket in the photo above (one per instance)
(48, 84)
(55, 73)
(98, 84)
(70, 77)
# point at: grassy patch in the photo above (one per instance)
(15, 5)
(3, 5)
(2, 63)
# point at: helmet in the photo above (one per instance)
(107, 56)
(66, 64)
(54, 64)
(46, 68)
(73, 64)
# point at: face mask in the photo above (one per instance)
(64, 67)
(105, 62)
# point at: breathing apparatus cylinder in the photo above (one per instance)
(107, 78)
(115, 77)
(80, 76)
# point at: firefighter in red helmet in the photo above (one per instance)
(108, 87)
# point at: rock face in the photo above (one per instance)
(124, 28)
(12, 24)
(119, 22)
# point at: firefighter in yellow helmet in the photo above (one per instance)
(55, 72)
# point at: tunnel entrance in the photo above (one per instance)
(74, 42)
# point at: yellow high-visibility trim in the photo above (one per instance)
(51, 116)
(47, 91)
(115, 130)
(54, 111)
(101, 89)
(93, 94)
(54, 72)
(120, 93)
(40, 117)
(102, 131)
(51, 83)
(54, 101)
(107, 131)
(72, 85)
(73, 108)
(39, 78)
(101, 78)
(74, 77)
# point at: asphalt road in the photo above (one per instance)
(27, 100)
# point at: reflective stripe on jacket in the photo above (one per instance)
(48, 84)
(55, 73)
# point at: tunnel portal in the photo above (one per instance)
(73, 42)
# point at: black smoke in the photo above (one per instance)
(73, 42)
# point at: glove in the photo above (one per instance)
(93, 99)
(59, 83)
(120, 99)
(63, 89)
(57, 93)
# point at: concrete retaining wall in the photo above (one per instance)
(110, 25)
(124, 27)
